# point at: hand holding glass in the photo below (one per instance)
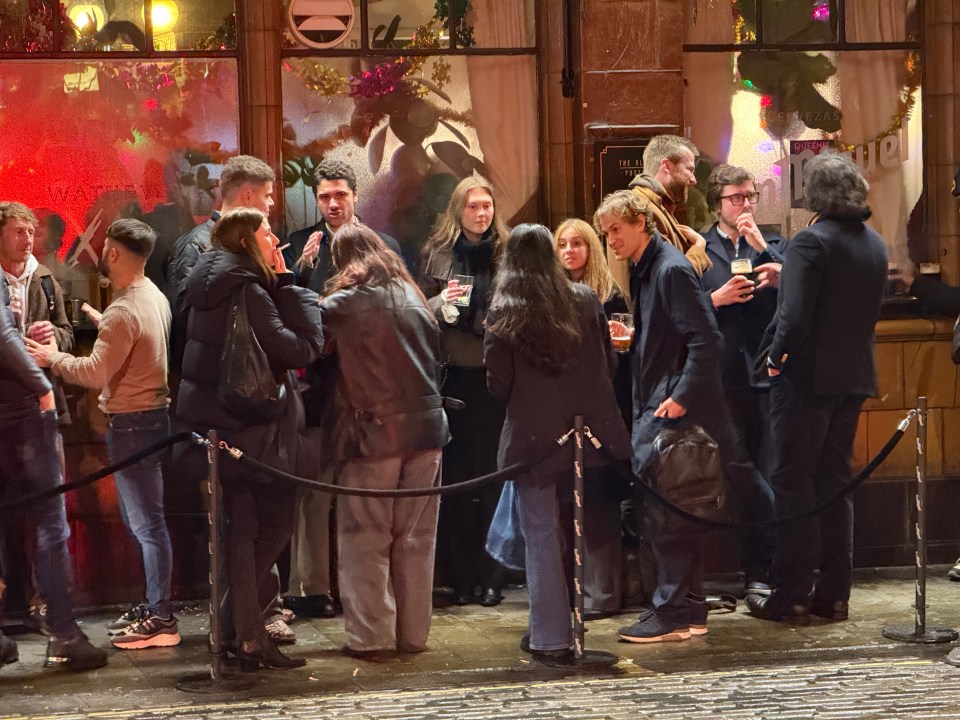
(621, 331)
(462, 285)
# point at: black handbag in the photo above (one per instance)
(685, 468)
(247, 385)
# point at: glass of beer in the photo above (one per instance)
(621, 331)
(465, 282)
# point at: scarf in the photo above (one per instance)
(475, 259)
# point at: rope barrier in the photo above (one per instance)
(618, 466)
(102, 473)
(510, 472)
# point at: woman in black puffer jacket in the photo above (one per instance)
(286, 322)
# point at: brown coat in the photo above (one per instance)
(667, 225)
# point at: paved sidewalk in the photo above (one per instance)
(473, 669)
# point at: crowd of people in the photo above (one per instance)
(378, 379)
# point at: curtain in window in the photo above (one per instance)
(503, 94)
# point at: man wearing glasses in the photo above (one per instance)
(742, 285)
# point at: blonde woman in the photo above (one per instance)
(467, 240)
(580, 252)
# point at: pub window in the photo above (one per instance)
(769, 83)
(104, 115)
(414, 95)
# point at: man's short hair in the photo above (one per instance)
(670, 147)
(244, 170)
(725, 175)
(335, 170)
(136, 236)
(16, 211)
(628, 206)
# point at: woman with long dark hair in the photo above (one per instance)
(548, 359)
(285, 321)
(389, 431)
(466, 242)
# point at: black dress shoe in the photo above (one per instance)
(589, 615)
(770, 607)
(464, 598)
(564, 658)
(367, 655)
(491, 597)
(837, 611)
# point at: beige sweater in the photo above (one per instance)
(129, 358)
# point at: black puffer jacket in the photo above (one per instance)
(387, 347)
(286, 322)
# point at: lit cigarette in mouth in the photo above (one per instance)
(283, 247)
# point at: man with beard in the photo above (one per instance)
(129, 363)
(669, 164)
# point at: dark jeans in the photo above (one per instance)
(259, 526)
(462, 560)
(750, 411)
(680, 558)
(140, 489)
(29, 464)
(812, 461)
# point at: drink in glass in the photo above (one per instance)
(621, 331)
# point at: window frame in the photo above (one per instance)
(58, 53)
(840, 44)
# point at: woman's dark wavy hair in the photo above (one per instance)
(534, 305)
(362, 258)
(834, 187)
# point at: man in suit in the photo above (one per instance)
(309, 251)
(742, 286)
(310, 590)
(821, 362)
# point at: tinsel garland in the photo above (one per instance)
(906, 100)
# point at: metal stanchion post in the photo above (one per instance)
(578, 548)
(582, 658)
(920, 633)
(216, 681)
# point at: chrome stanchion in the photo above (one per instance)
(594, 658)
(578, 547)
(216, 681)
(920, 633)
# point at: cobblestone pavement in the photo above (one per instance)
(744, 668)
(887, 689)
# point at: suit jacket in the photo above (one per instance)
(831, 287)
(316, 276)
(742, 325)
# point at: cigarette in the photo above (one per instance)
(283, 247)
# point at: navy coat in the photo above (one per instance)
(743, 325)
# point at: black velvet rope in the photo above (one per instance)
(100, 474)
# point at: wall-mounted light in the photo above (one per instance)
(87, 12)
(165, 14)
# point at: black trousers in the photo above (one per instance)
(462, 561)
(750, 411)
(815, 436)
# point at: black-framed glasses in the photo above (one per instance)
(737, 199)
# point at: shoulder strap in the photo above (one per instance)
(46, 282)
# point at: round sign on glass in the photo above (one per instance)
(321, 23)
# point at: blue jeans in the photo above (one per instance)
(140, 489)
(29, 463)
(550, 617)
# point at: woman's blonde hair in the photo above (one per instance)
(447, 228)
(236, 232)
(596, 273)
